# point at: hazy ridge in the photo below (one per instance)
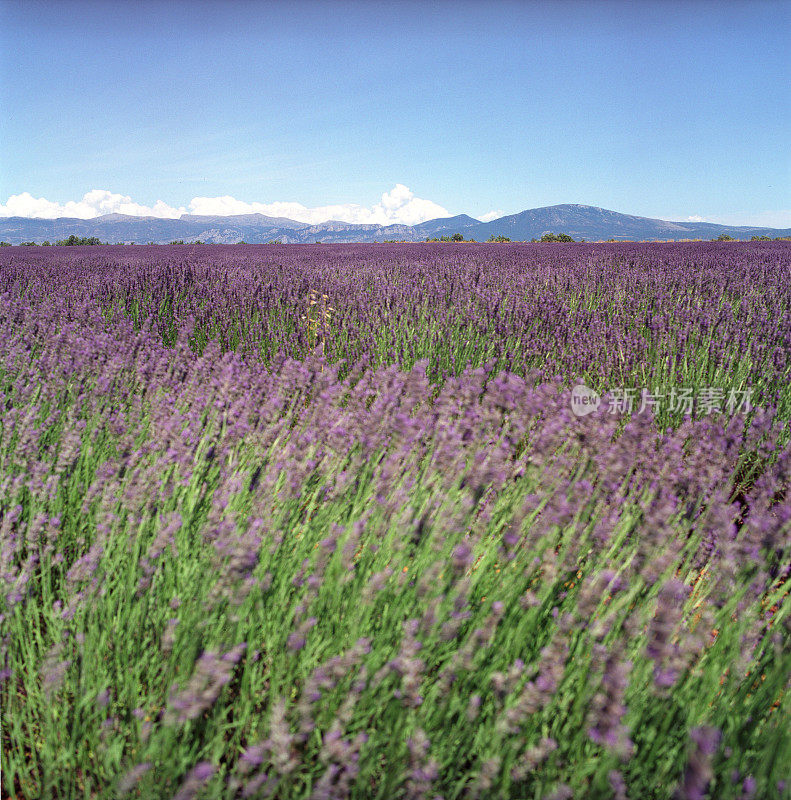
(578, 221)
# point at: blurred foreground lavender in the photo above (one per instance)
(259, 542)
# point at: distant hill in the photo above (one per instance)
(592, 223)
(579, 222)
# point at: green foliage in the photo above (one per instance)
(86, 701)
(499, 238)
(456, 237)
(560, 237)
(5, 244)
(376, 528)
(79, 241)
(723, 237)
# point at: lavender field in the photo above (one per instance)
(322, 522)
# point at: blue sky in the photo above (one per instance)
(663, 109)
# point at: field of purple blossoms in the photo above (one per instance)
(319, 522)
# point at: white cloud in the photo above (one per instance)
(93, 204)
(398, 206)
(491, 215)
(761, 219)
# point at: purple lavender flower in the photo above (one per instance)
(698, 773)
(198, 776)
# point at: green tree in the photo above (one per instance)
(560, 237)
(723, 237)
(457, 237)
(74, 241)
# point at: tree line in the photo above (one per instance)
(72, 241)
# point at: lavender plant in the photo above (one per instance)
(240, 561)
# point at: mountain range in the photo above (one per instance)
(578, 221)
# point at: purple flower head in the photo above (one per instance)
(665, 678)
(511, 538)
(203, 771)
(195, 780)
(329, 544)
(617, 784)
(131, 778)
(698, 773)
(253, 756)
(706, 738)
(462, 556)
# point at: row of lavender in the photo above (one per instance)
(228, 576)
(638, 316)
